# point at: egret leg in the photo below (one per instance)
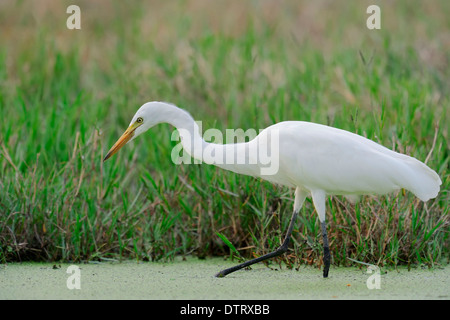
(326, 250)
(282, 249)
(319, 203)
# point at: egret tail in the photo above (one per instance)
(421, 180)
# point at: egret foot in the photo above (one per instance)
(326, 261)
(326, 250)
(282, 249)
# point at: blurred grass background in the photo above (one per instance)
(67, 95)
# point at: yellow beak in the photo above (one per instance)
(126, 136)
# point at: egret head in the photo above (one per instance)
(146, 117)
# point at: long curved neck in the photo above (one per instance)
(227, 156)
(190, 134)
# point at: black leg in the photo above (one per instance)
(326, 250)
(276, 253)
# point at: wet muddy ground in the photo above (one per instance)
(194, 279)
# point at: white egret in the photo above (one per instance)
(314, 159)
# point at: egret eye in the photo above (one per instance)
(139, 120)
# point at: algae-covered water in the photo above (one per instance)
(194, 279)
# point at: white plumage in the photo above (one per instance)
(315, 159)
(338, 162)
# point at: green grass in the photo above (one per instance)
(66, 96)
